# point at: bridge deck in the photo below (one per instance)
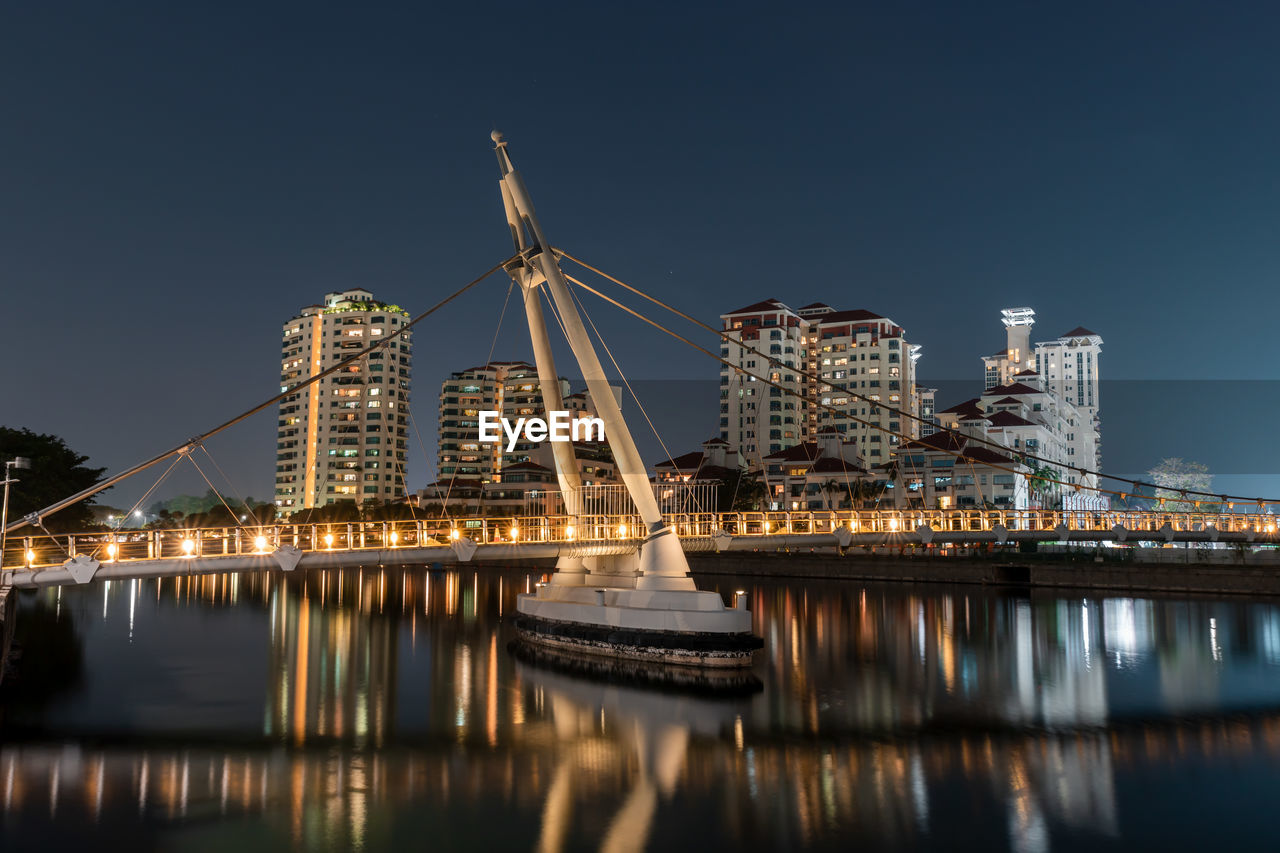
(40, 560)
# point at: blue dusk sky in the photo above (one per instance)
(178, 179)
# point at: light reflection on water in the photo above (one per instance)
(380, 708)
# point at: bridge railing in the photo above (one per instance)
(45, 550)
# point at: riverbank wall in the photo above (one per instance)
(1217, 571)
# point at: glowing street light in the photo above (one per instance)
(260, 542)
(188, 546)
(21, 463)
(454, 534)
(395, 537)
(111, 552)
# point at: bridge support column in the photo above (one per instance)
(662, 559)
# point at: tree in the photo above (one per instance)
(1043, 482)
(742, 492)
(1174, 477)
(56, 472)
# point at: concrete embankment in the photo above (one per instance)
(1218, 571)
(1177, 570)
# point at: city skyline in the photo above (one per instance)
(162, 197)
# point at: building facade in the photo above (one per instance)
(512, 389)
(1068, 368)
(850, 370)
(343, 437)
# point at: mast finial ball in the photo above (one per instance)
(496, 136)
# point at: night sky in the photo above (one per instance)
(178, 179)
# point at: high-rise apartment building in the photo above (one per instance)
(1068, 368)
(508, 387)
(343, 437)
(852, 370)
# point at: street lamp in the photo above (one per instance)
(21, 463)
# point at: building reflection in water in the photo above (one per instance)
(390, 695)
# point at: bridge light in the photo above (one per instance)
(188, 546)
(454, 534)
(260, 542)
(622, 530)
(111, 551)
(893, 524)
(515, 533)
(328, 540)
(395, 537)
(568, 532)
(766, 527)
(31, 557)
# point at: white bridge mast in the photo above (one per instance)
(662, 561)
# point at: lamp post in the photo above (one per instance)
(21, 463)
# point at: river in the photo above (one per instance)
(380, 709)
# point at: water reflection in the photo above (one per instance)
(370, 707)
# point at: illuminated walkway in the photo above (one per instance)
(35, 561)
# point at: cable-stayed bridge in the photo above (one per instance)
(638, 551)
(46, 560)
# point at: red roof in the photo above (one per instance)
(815, 305)
(525, 466)
(766, 305)
(829, 464)
(1012, 388)
(944, 440)
(960, 408)
(1027, 372)
(1008, 419)
(847, 317)
(806, 452)
(1007, 401)
(687, 462)
(715, 440)
(983, 455)
(1080, 332)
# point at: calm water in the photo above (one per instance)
(381, 710)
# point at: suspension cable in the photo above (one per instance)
(958, 454)
(976, 439)
(292, 389)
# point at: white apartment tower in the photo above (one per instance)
(343, 437)
(1069, 367)
(1016, 356)
(1066, 367)
(854, 360)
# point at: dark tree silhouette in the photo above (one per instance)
(56, 472)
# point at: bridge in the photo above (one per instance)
(46, 560)
(641, 546)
